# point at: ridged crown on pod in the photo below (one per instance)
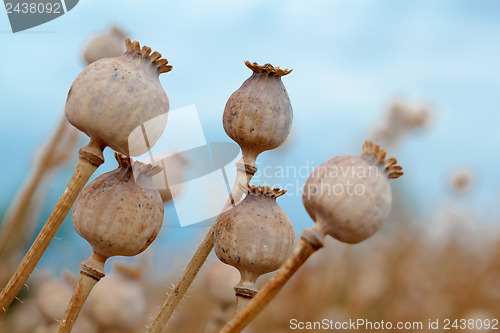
(112, 97)
(350, 196)
(255, 236)
(258, 116)
(115, 214)
(170, 181)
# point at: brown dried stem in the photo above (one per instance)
(90, 159)
(241, 302)
(310, 242)
(91, 272)
(245, 291)
(245, 172)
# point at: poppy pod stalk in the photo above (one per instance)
(346, 216)
(258, 117)
(119, 213)
(349, 197)
(110, 99)
(255, 236)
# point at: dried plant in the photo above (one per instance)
(57, 151)
(119, 215)
(104, 45)
(345, 216)
(108, 100)
(258, 116)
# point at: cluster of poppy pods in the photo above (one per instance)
(120, 213)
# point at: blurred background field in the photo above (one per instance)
(421, 78)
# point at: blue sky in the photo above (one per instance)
(350, 58)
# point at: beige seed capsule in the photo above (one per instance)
(331, 200)
(118, 213)
(117, 102)
(255, 236)
(258, 116)
(112, 97)
(350, 196)
(104, 45)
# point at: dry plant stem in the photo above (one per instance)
(245, 173)
(242, 301)
(15, 223)
(307, 245)
(90, 159)
(91, 272)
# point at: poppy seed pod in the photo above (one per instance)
(349, 197)
(115, 214)
(255, 236)
(104, 45)
(112, 97)
(258, 116)
(118, 303)
(118, 215)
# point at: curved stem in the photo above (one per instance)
(91, 272)
(244, 175)
(90, 158)
(241, 302)
(306, 246)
